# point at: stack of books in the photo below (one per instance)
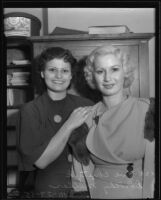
(119, 29)
(10, 97)
(9, 78)
(12, 177)
(11, 115)
(16, 97)
(20, 78)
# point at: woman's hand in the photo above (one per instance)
(59, 140)
(78, 117)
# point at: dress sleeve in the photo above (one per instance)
(34, 137)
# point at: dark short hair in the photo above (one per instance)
(56, 52)
(47, 55)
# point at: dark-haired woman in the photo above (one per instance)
(47, 123)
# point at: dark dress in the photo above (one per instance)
(37, 127)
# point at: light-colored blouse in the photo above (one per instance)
(117, 146)
(119, 136)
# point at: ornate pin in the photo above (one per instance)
(57, 118)
(130, 168)
(96, 120)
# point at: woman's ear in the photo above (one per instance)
(42, 74)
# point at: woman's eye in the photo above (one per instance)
(99, 71)
(52, 69)
(65, 71)
(115, 69)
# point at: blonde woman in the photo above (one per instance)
(120, 141)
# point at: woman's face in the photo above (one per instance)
(57, 75)
(108, 74)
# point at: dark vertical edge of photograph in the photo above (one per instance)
(50, 35)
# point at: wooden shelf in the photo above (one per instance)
(11, 128)
(19, 86)
(14, 66)
(12, 186)
(13, 168)
(13, 38)
(14, 107)
(15, 41)
(81, 37)
(13, 194)
(11, 148)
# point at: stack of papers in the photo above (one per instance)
(20, 62)
(118, 29)
(20, 78)
(9, 78)
(11, 178)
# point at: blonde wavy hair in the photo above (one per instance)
(106, 50)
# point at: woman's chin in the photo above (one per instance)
(58, 90)
(108, 93)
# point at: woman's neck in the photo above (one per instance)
(111, 101)
(56, 95)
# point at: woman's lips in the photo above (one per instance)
(58, 82)
(109, 86)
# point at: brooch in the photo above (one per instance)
(57, 118)
(129, 168)
(96, 120)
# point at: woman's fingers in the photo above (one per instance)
(83, 109)
(79, 115)
(82, 112)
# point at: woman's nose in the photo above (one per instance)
(107, 76)
(58, 74)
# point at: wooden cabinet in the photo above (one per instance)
(19, 91)
(80, 45)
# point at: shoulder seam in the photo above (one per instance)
(145, 100)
